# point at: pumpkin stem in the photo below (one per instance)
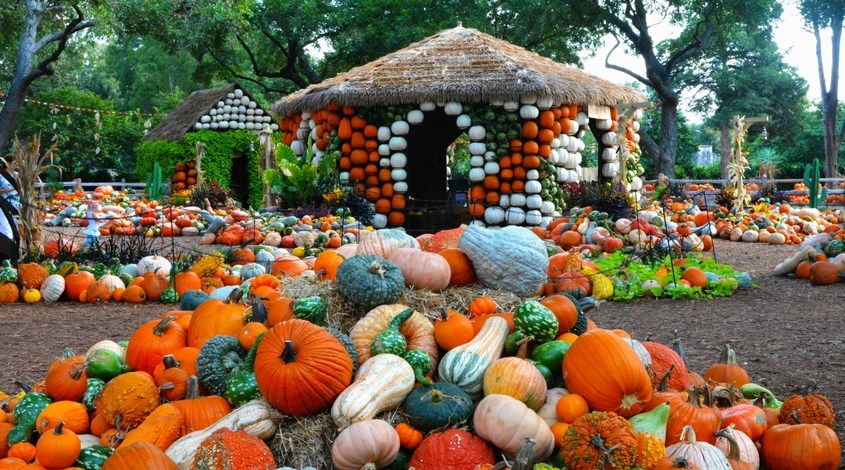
(170, 362)
(664, 381)
(66, 354)
(26, 388)
(597, 442)
(235, 296)
(728, 356)
(58, 430)
(795, 417)
(678, 347)
(369, 466)
(436, 396)
(377, 268)
(727, 433)
(193, 390)
(161, 327)
(723, 398)
(523, 346)
(524, 459)
(288, 355)
(443, 315)
(167, 386)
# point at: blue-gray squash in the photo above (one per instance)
(513, 258)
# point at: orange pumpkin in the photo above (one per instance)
(460, 266)
(217, 317)
(76, 283)
(186, 281)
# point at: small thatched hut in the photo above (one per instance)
(225, 120)
(392, 120)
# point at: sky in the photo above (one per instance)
(797, 45)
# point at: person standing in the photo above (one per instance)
(92, 230)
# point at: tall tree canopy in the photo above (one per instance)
(634, 23)
(828, 15)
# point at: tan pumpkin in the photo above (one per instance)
(505, 422)
(421, 269)
(517, 378)
(384, 242)
(382, 383)
(417, 330)
(368, 444)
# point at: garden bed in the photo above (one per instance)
(785, 332)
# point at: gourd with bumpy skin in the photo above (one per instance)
(512, 258)
(382, 383)
(242, 386)
(420, 361)
(417, 330)
(369, 281)
(225, 448)
(92, 458)
(391, 341)
(466, 364)
(220, 357)
(25, 416)
(600, 437)
(441, 405)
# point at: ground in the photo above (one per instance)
(786, 332)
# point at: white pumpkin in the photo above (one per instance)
(463, 121)
(532, 174)
(505, 201)
(529, 112)
(533, 187)
(609, 138)
(534, 201)
(384, 162)
(113, 282)
(52, 288)
(476, 161)
(400, 128)
(383, 134)
(379, 221)
(343, 176)
(453, 108)
(636, 183)
(544, 102)
(400, 187)
(491, 168)
(494, 215)
(533, 217)
(610, 170)
(604, 124)
(159, 264)
(477, 175)
(384, 150)
(477, 133)
(477, 148)
(547, 208)
(398, 160)
(398, 174)
(428, 106)
(510, 105)
(609, 154)
(415, 116)
(518, 200)
(297, 146)
(528, 99)
(515, 216)
(397, 143)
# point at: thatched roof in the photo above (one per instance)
(458, 64)
(182, 119)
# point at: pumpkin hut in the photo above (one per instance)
(212, 132)
(525, 115)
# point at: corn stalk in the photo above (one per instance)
(736, 168)
(26, 164)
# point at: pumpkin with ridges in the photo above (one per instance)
(417, 330)
(505, 422)
(511, 258)
(220, 358)
(453, 449)
(369, 281)
(440, 405)
(466, 364)
(381, 383)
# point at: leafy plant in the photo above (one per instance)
(216, 194)
(298, 181)
(154, 185)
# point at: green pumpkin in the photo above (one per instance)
(368, 281)
(536, 320)
(347, 343)
(93, 458)
(420, 361)
(401, 461)
(93, 388)
(25, 414)
(104, 364)
(192, 299)
(834, 248)
(242, 385)
(8, 274)
(391, 341)
(580, 326)
(513, 340)
(440, 405)
(311, 308)
(220, 358)
(551, 354)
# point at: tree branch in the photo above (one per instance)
(307, 70)
(239, 76)
(701, 39)
(819, 57)
(645, 81)
(255, 67)
(45, 66)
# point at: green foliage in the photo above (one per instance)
(298, 181)
(216, 163)
(77, 135)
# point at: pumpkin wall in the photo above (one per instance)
(521, 153)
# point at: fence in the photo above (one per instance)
(834, 186)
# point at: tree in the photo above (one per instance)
(47, 47)
(743, 74)
(828, 14)
(633, 22)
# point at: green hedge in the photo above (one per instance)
(216, 164)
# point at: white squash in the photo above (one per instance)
(453, 108)
(400, 128)
(159, 264)
(529, 112)
(548, 412)
(398, 160)
(52, 288)
(383, 134)
(477, 133)
(415, 116)
(382, 383)
(397, 144)
(515, 216)
(108, 345)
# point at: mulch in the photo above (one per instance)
(786, 333)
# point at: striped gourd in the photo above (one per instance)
(466, 364)
(382, 383)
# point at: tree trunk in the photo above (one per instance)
(20, 80)
(725, 146)
(830, 97)
(663, 154)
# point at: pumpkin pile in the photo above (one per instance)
(819, 259)
(540, 385)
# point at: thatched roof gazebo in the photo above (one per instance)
(461, 80)
(226, 121)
